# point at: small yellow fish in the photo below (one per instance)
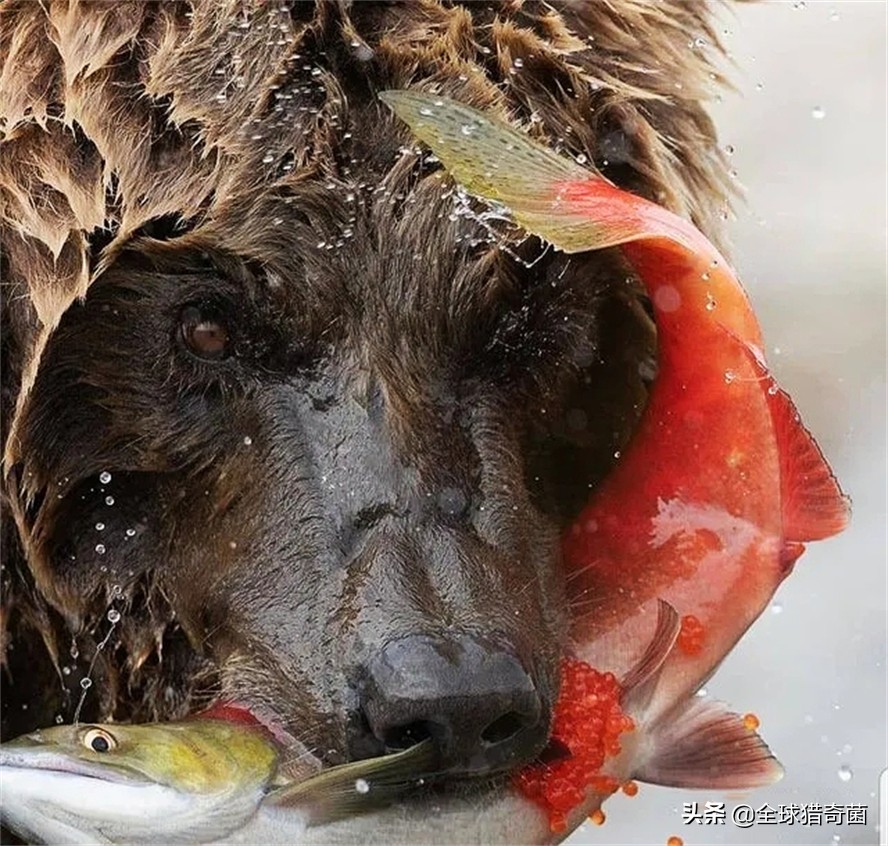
(195, 781)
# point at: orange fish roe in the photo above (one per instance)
(587, 724)
(597, 816)
(751, 721)
(630, 788)
(675, 841)
(691, 635)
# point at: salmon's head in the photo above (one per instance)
(122, 783)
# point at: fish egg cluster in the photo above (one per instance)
(587, 724)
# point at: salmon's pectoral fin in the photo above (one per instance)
(357, 787)
(703, 744)
(641, 680)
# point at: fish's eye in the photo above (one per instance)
(99, 740)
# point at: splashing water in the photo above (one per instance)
(86, 681)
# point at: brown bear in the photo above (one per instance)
(287, 420)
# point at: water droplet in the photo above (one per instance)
(361, 786)
(100, 527)
(316, 71)
(667, 298)
(467, 129)
(730, 150)
(730, 376)
(760, 86)
(59, 719)
(582, 158)
(702, 692)
(617, 453)
(818, 113)
(834, 15)
(109, 500)
(130, 533)
(799, 4)
(104, 477)
(772, 389)
(100, 548)
(268, 158)
(233, 544)
(518, 63)
(248, 441)
(776, 607)
(66, 670)
(845, 773)
(710, 302)
(74, 651)
(113, 616)
(86, 683)
(426, 111)
(699, 42)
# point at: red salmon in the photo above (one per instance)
(711, 501)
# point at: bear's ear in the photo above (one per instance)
(596, 410)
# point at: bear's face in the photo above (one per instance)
(347, 482)
(310, 427)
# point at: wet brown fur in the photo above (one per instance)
(135, 132)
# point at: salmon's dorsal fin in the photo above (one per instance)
(812, 503)
(703, 744)
(814, 506)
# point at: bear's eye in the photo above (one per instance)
(204, 333)
(99, 740)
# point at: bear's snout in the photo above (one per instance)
(474, 700)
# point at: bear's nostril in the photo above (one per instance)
(403, 737)
(504, 727)
(474, 700)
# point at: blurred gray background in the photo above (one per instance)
(808, 129)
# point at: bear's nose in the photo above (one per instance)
(476, 702)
